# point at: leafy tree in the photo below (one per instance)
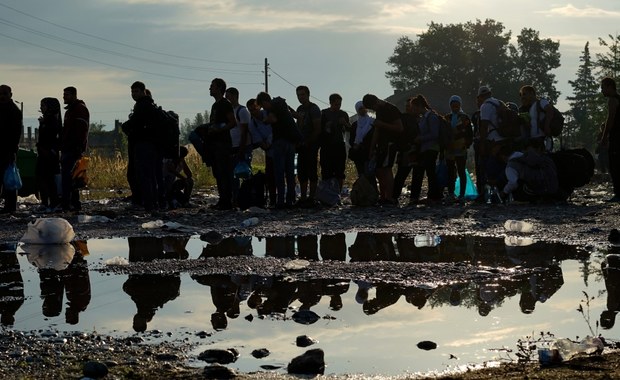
(586, 103)
(535, 58)
(96, 127)
(464, 56)
(609, 62)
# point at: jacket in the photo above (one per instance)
(75, 130)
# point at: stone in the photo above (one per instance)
(219, 356)
(218, 371)
(427, 345)
(96, 370)
(166, 357)
(304, 341)
(305, 317)
(312, 362)
(260, 353)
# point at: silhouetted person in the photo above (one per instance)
(611, 274)
(333, 247)
(280, 246)
(12, 128)
(308, 247)
(11, 287)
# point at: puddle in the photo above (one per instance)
(362, 327)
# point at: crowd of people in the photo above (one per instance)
(298, 142)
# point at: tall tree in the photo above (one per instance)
(585, 103)
(535, 59)
(464, 56)
(608, 63)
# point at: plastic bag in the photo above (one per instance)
(471, 192)
(78, 173)
(242, 170)
(443, 177)
(328, 192)
(12, 179)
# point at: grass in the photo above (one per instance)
(108, 175)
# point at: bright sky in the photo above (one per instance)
(177, 46)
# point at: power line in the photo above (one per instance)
(124, 44)
(113, 65)
(294, 86)
(123, 55)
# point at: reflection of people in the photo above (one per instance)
(230, 246)
(149, 291)
(224, 293)
(386, 295)
(280, 246)
(74, 280)
(333, 247)
(611, 274)
(369, 246)
(11, 287)
(307, 247)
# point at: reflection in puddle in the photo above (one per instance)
(346, 315)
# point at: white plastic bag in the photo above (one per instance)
(49, 256)
(48, 231)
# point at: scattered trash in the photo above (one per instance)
(257, 210)
(518, 226)
(564, 349)
(516, 241)
(83, 218)
(178, 227)
(117, 260)
(249, 222)
(153, 224)
(426, 240)
(297, 264)
(30, 199)
(49, 256)
(48, 231)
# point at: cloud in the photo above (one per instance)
(572, 11)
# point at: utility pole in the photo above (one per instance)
(266, 76)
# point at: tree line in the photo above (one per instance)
(464, 56)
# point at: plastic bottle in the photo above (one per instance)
(426, 240)
(249, 222)
(568, 349)
(518, 226)
(488, 193)
(516, 241)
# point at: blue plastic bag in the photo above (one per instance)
(12, 180)
(443, 178)
(242, 170)
(471, 192)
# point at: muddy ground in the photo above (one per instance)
(584, 221)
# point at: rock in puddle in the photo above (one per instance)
(312, 362)
(219, 356)
(304, 341)
(95, 370)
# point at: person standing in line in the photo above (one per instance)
(141, 126)
(428, 139)
(11, 124)
(221, 121)
(48, 153)
(308, 117)
(241, 139)
(456, 153)
(286, 136)
(73, 145)
(388, 129)
(359, 139)
(262, 137)
(611, 134)
(334, 122)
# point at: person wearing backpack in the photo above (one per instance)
(428, 140)
(146, 161)
(611, 133)
(240, 138)
(491, 141)
(540, 114)
(387, 130)
(456, 152)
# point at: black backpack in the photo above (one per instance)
(508, 123)
(252, 192)
(575, 168)
(168, 132)
(557, 121)
(445, 131)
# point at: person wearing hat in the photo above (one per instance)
(456, 153)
